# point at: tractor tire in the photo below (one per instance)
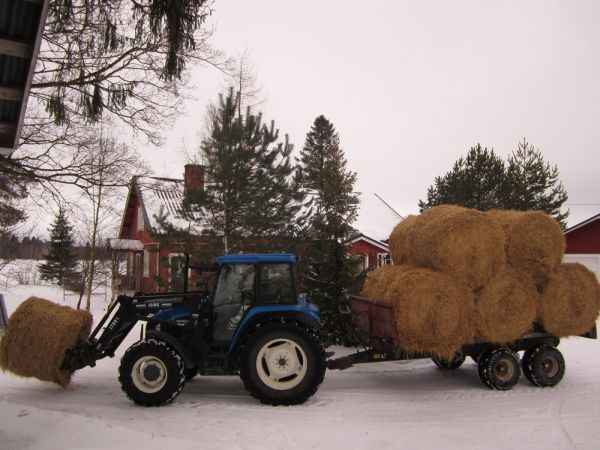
(151, 373)
(282, 364)
(499, 368)
(543, 365)
(452, 364)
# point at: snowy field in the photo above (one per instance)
(410, 405)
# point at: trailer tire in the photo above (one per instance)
(543, 365)
(282, 364)
(457, 360)
(499, 368)
(151, 373)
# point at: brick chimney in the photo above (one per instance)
(193, 179)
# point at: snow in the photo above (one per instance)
(371, 406)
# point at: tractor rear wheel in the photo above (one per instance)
(282, 364)
(151, 373)
(543, 365)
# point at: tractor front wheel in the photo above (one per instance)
(282, 364)
(151, 373)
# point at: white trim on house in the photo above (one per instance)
(126, 244)
(583, 224)
(371, 241)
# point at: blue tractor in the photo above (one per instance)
(253, 324)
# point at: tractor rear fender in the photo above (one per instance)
(173, 342)
(261, 315)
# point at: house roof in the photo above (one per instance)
(21, 28)
(376, 219)
(374, 242)
(584, 223)
(161, 196)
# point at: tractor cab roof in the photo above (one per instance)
(254, 258)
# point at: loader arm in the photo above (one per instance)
(119, 320)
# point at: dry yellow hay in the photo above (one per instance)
(433, 314)
(506, 307)
(570, 301)
(379, 280)
(463, 243)
(400, 240)
(535, 243)
(38, 335)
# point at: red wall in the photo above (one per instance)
(365, 248)
(584, 240)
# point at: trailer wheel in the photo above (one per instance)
(151, 373)
(543, 365)
(499, 368)
(282, 364)
(457, 360)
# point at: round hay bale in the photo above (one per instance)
(506, 307)
(570, 301)
(535, 243)
(400, 240)
(379, 280)
(463, 243)
(433, 312)
(38, 335)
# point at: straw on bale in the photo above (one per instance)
(38, 335)
(433, 313)
(535, 244)
(379, 280)
(506, 307)
(570, 302)
(463, 243)
(400, 240)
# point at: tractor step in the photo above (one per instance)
(3, 317)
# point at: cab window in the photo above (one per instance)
(276, 284)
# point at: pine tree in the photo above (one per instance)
(329, 272)
(61, 262)
(476, 181)
(534, 184)
(253, 197)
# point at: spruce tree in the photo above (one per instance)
(252, 198)
(534, 184)
(329, 270)
(61, 263)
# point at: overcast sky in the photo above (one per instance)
(411, 85)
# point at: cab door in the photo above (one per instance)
(234, 295)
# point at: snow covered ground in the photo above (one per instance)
(409, 405)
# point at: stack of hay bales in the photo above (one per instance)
(462, 275)
(38, 336)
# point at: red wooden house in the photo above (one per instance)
(583, 244)
(154, 267)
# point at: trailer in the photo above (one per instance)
(499, 366)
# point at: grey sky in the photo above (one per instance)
(411, 85)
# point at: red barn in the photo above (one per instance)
(154, 267)
(583, 244)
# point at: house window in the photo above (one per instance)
(146, 263)
(383, 259)
(140, 218)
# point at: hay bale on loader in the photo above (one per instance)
(506, 307)
(434, 314)
(401, 240)
(463, 243)
(38, 335)
(570, 301)
(535, 243)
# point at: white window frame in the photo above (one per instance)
(383, 259)
(146, 263)
(140, 218)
